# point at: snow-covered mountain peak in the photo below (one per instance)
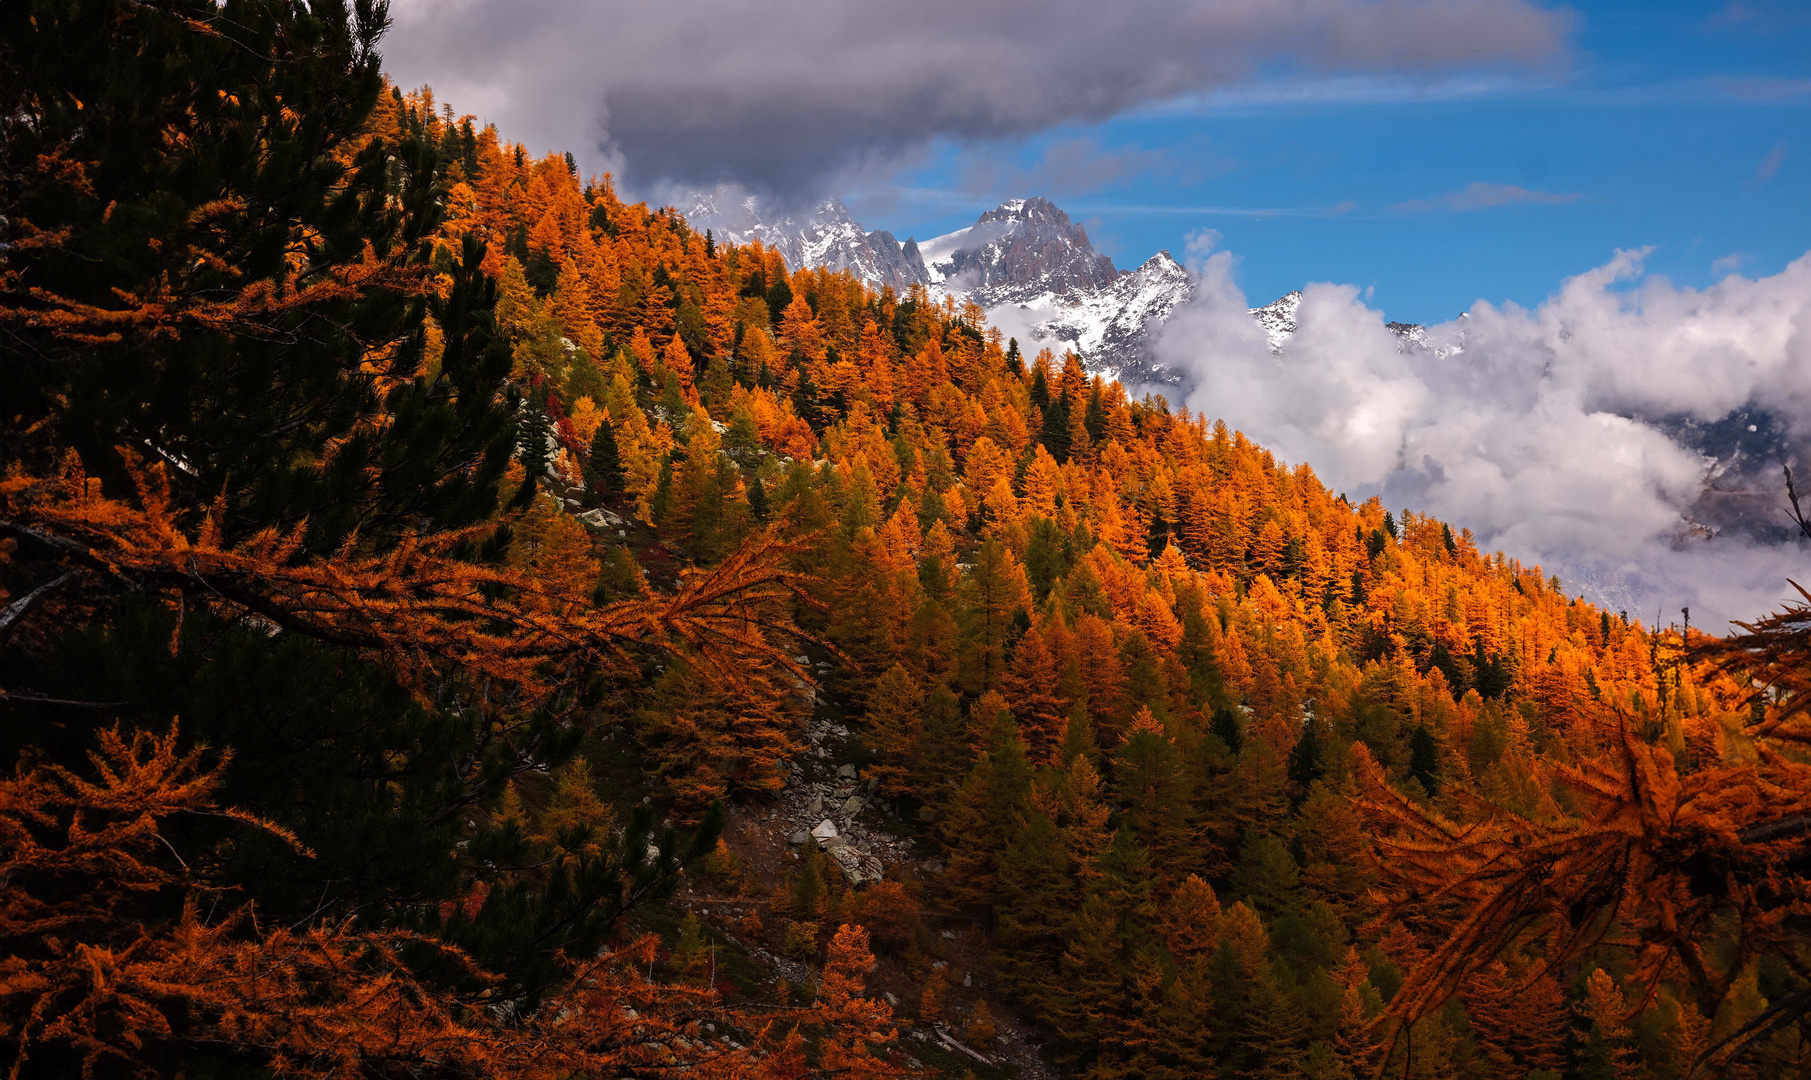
(1278, 318)
(1034, 212)
(1017, 252)
(1110, 328)
(1033, 268)
(829, 237)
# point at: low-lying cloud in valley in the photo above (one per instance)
(1555, 433)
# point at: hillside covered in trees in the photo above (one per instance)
(434, 587)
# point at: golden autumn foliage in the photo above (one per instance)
(1229, 774)
(418, 606)
(1654, 859)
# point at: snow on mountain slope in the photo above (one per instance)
(1040, 279)
(829, 237)
(1278, 319)
(1032, 268)
(1017, 252)
(939, 251)
(1109, 328)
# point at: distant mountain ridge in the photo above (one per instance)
(1028, 264)
(1025, 261)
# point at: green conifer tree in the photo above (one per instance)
(943, 753)
(988, 817)
(992, 595)
(604, 466)
(1095, 419)
(1229, 727)
(1424, 759)
(756, 493)
(1149, 780)
(1305, 764)
(1055, 432)
(1031, 906)
(217, 141)
(1267, 876)
(536, 432)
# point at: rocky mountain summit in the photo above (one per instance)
(1036, 273)
(1022, 251)
(1278, 319)
(827, 237)
(1112, 329)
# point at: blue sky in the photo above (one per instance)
(1681, 126)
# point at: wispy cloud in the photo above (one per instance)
(1761, 89)
(1770, 164)
(1552, 85)
(1338, 209)
(1728, 264)
(1758, 16)
(1340, 90)
(1742, 89)
(1481, 196)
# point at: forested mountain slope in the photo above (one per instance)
(399, 526)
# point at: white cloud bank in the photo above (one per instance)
(1524, 436)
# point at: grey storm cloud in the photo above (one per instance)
(788, 95)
